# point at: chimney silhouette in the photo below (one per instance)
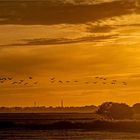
(62, 105)
(34, 104)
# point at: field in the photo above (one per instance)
(20, 119)
(66, 135)
(64, 126)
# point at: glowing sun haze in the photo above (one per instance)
(74, 42)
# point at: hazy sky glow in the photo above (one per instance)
(70, 40)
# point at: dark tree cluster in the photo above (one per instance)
(115, 111)
(136, 108)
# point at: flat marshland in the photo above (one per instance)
(55, 126)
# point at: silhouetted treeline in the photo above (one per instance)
(136, 108)
(118, 111)
(44, 109)
(109, 110)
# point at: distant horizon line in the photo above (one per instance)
(36, 104)
(65, 106)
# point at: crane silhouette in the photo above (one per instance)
(35, 83)
(52, 78)
(10, 78)
(25, 83)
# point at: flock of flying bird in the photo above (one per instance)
(12, 81)
(101, 80)
(30, 81)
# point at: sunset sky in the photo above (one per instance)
(71, 40)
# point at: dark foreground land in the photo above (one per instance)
(64, 121)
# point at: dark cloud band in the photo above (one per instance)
(45, 13)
